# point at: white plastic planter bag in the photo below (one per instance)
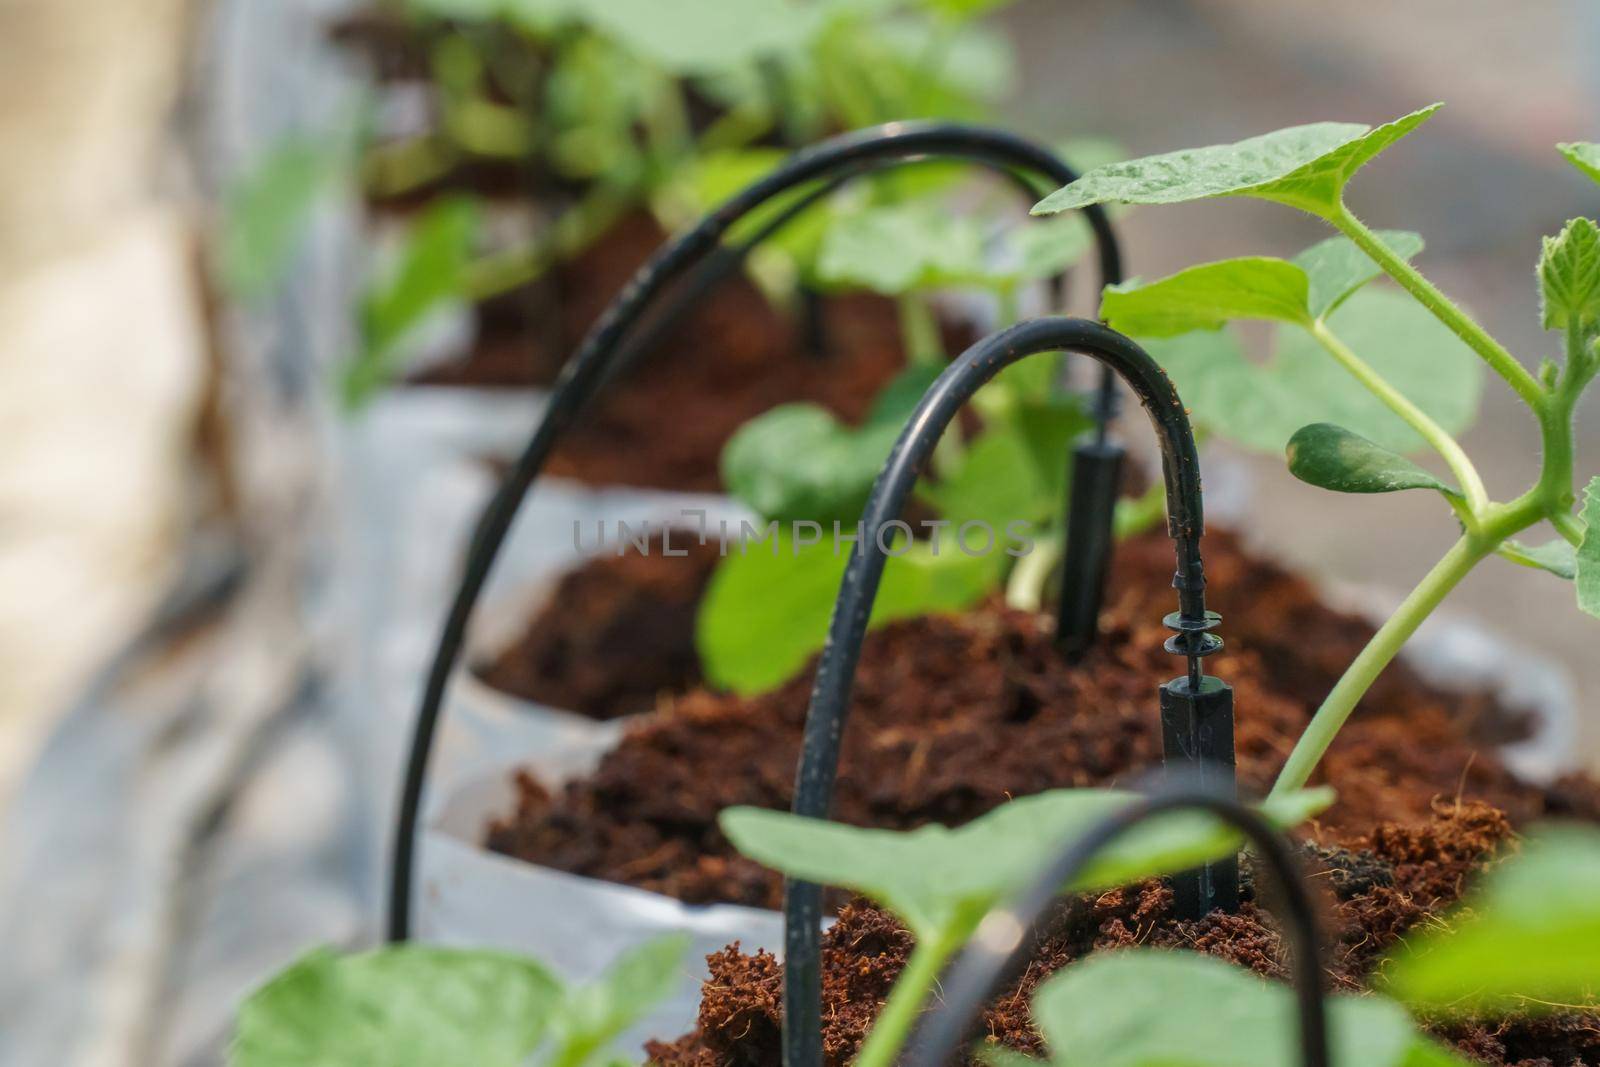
(577, 926)
(495, 722)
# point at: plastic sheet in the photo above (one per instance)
(575, 925)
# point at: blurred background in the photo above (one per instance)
(198, 728)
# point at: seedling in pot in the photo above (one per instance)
(603, 107)
(439, 1007)
(797, 464)
(941, 883)
(1375, 340)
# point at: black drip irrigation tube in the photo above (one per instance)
(1196, 710)
(1007, 935)
(692, 263)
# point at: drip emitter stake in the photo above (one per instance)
(693, 262)
(1196, 710)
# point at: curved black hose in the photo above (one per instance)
(586, 372)
(836, 668)
(1005, 939)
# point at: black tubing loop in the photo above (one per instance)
(836, 667)
(586, 372)
(1007, 936)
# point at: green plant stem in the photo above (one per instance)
(1459, 322)
(1025, 588)
(1569, 528)
(1436, 436)
(1366, 667)
(924, 346)
(910, 993)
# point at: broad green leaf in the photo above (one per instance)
(995, 483)
(964, 9)
(799, 462)
(1304, 166)
(1588, 564)
(1043, 248)
(694, 36)
(1260, 406)
(1528, 939)
(1208, 297)
(265, 212)
(714, 177)
(1153, 1008)
(765, 612)
(1557, 556)
(1332, 457)
(933, 877)
(1569, 277)
(402, 1006)
(1337, 267)
(907, 247)
(595, 1014)
(1584, 155)
(902, 248)
(431, 272)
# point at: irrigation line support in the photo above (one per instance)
(690, 259)
(1007, 935)
(1191, 695)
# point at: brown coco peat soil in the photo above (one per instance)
(663, 424)
(615, 635)
(952, 715)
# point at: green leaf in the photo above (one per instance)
(431, 271)
(1584, 155)
(1588, 563)
(698, 36)
(401, 1006)
(1153, 1008)
(1337, 267)
(925, 244)
(1557, 556)
(595, 1014)
(1569, 277)
(1528, 939)
(1046, 247)
(1304, 166)
(1332, 457)
(902, 248)
(1208, 297)
(765, 612)
(1260, 406)
(933, 877)
(799, 462)
(266, 210)
(997, 482)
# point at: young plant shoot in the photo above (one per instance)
(941, 883)
(1414, 361)
(998, 495)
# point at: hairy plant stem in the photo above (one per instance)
(1459, 322)
(1430, 431)
(893, 1025)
